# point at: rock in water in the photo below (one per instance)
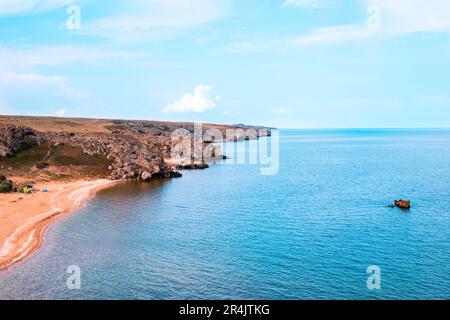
(404, 204)
(176, 174)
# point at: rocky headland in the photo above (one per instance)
(123, 149)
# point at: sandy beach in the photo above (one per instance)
(24, 218)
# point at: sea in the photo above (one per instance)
(318, 227)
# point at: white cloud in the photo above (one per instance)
(19, 70)
(29, 7)
(153, 19)
(397, 18)
(337, 34)
(197, 102)
(281, 111)
(131, 20)
(19, 73)
(25, 90)
(45, 55)
(17, 82)
(302, 3)
(8, 77)
(317, 36)
(61, 112)
(409, 16)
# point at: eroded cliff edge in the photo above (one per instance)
(60, 148)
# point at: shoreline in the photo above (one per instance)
(24, 219)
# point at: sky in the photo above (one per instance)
(282, 63)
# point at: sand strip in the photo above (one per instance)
(23, 221)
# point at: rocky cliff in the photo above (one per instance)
(130, 156)
(14, 138)
(131, 149)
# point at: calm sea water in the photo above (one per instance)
(309, 232)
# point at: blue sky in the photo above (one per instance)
(284, 63)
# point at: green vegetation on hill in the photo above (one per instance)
(62, 161)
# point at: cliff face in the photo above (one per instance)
(13, 138)
(131, 156)
(131, 149)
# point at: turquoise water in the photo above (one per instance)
(309, 232)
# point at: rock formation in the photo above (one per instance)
(139, 150)
(131, 156)
(14, 138)
(404, 204)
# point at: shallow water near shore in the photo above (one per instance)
(227, 232)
